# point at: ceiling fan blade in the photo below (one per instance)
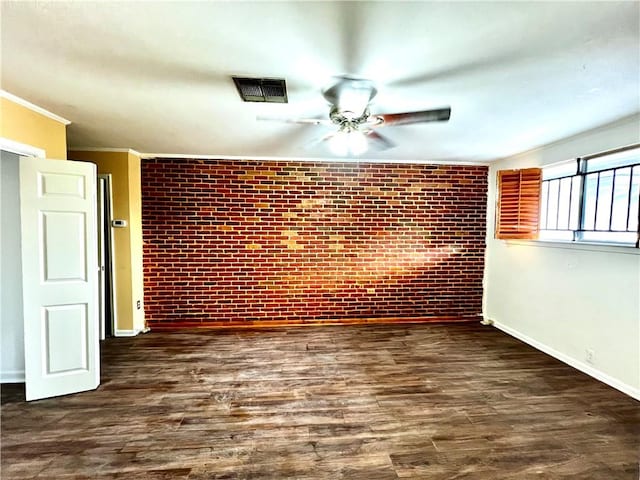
(312, 145)
(405, 118)
(308, 121)
(378, 142)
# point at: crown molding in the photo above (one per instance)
(35, 108)
(102, 149)
(321, 160)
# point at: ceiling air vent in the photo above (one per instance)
(272, 90)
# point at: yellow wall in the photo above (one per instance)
(124, 168)
(135, 214)
(26, 126)
(23, 125)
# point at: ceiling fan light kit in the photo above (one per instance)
(349, 99)
(346, 143)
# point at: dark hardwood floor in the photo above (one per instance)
(433, 402)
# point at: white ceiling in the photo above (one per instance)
(155, 76)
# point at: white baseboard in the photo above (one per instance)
(127, 333)
(12, 376)
(583, 367)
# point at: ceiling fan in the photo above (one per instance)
(349, 98)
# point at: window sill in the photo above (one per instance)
(584, 246)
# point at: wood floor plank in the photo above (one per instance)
(421, 401)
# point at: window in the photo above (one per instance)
(592, 199)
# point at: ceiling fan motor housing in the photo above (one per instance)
(347, 119)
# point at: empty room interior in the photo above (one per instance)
(320, 240)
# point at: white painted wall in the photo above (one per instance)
(565, 299)
(11, 326)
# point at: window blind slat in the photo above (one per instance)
(518, 203)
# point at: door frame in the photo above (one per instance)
(110, 255)
(23, 149)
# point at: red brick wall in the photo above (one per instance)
(242, 241)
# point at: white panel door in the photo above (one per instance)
(59, 276)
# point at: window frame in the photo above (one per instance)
(582, 171)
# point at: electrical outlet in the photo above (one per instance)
(590, 356)
(138, 305)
